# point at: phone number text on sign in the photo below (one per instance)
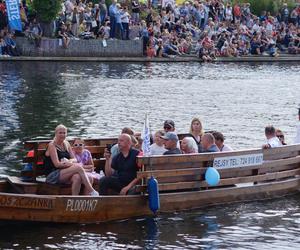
(238, 161)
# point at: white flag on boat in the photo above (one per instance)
(146, 137)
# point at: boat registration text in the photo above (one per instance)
(26, 202)
(81, 205)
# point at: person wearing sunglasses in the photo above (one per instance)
(84, 157)
(280, 136)
(61, 166)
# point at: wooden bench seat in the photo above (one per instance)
(95, 146)
(35, 168)
(187, 172)
(40, 187)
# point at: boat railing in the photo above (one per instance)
(187, 172)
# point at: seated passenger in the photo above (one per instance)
(62, 167)
(196, 131)
(169, 126)
(219, 139)
(84, 157)
(280, 136)
(115, 148)
(120, 170)
(189, 146)
(170, 141)
(208, 143)
(272, 140)
(158, 148)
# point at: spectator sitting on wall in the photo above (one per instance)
(3, 50)
(62, 34)
(35, 33)
(11, 45)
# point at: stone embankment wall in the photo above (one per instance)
(82, 48)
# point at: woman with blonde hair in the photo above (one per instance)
(196, 132)
(62, 167)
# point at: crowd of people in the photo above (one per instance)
(211, 28)
(66, 163)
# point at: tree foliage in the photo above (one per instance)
(257, 6)
(46, 10)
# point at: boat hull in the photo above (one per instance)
(84, 209)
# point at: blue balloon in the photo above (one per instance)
(212, 176)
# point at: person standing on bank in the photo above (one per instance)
(62, 167)
(112, 17)
(120, 170)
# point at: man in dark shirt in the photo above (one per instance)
(208, 143)
(171, 140)
(121, 170)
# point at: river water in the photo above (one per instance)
(98, 99)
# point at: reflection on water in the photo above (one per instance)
(98, 99)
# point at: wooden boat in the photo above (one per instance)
(245, 175)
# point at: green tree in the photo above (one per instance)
(257, 6)
(46, 10)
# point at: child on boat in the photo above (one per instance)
(84, 157)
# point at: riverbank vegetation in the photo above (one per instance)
(273, 6)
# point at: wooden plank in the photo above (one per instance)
(170, 173)
(42, 144)
(223, 182)
(192, 157)
(18, 185)
(270, 166)
(274, 153)
(172, 186)
(281, 152)
(190, 174)
(182, 165)
(179, 201)
(92, 149)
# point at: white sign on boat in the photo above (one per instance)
(238, 161)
